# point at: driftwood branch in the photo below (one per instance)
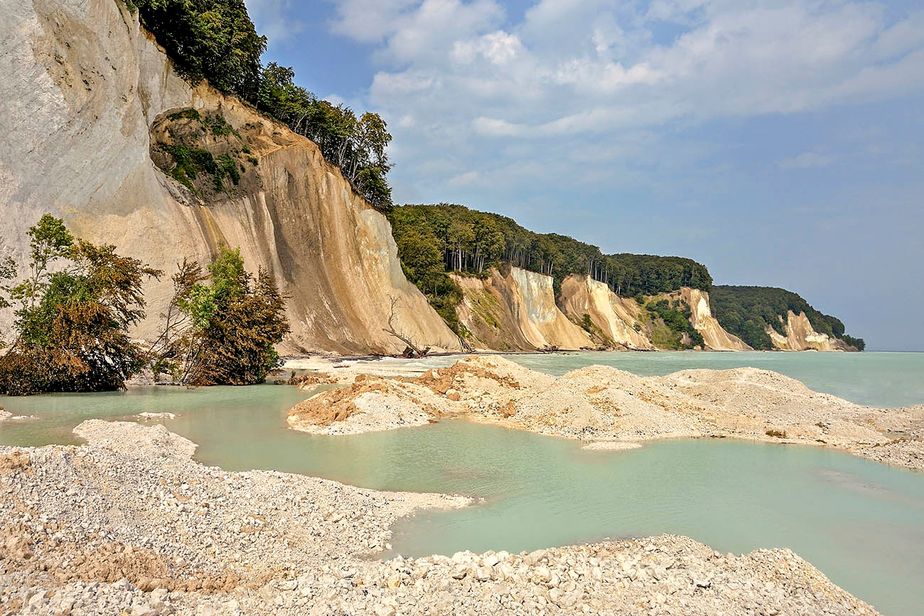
(411, 349)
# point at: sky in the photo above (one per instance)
(779, 142)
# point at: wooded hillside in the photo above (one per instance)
(434, 240)
(747, 311)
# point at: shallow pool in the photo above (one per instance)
(860, 522)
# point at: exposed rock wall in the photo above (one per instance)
(801, 336)
(715, 337)
(82, 84)
(516, 311)
(616, 319)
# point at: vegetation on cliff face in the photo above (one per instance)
(204, 153)
(221, 327)
(216, 40)
(73, 311)
(434, 240)
(670, 325)
(747, 311)
(355, 144)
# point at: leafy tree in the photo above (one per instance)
(747, 312)
(221, 329)
(208, 39)
(74, 310)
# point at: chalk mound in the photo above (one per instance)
(134, 440)
(370, 404)
(603, 404)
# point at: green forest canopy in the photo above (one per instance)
(434, 240)
(217, 41)
(747, 311)
(453, 238)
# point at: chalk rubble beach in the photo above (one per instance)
(611, 409)
(129, 524)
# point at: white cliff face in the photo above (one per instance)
(801, 336)
(82, 85)
(714, 335)
(516, 312)
(616, 318)
(539, 317)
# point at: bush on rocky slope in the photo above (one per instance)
(73, 312)
(221, 328)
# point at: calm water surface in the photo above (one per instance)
(861, 523)
(877, 379)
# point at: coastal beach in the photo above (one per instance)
(185, 538)
(461, 307)
(242, 556)
(613, 409)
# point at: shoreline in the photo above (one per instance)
(186, 536)
(599, 404)
(560, 351)
(614, 446)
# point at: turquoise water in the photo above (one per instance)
(861, 523)
(877, 379)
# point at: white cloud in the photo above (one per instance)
(574, 71)
(413, 30)
(806, 160)
(497, 48)
(370, 21)
(273, 19)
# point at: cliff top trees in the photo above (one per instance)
(473, 241)
(73, 309)
(221, 328)
(357, 145)
(208, 39)
(217, 41)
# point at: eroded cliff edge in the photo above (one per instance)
(83, 85)
(512, 309)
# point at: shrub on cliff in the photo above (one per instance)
(221, 327)
(677, 320)
(73, 311)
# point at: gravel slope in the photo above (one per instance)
(130, 524)
(611, 407)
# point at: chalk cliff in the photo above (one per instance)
(82, 86)
(615, 320)
(801, 336)
(715, 337)
(515, 310)
(90, 108)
